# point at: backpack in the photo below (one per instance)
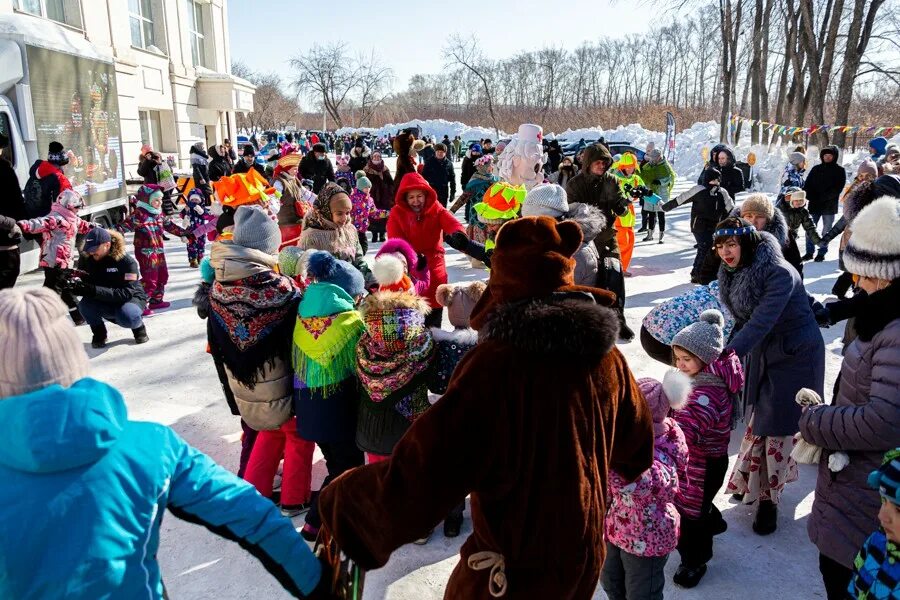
(34, 202)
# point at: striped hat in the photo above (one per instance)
(874, 246)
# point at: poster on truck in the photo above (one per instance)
(76, 103)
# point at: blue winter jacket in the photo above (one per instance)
(83, 491)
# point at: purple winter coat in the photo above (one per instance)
(864, 422)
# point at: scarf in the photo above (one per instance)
(150, 208)
(393, 354)
(250, 324)
(711, 379)
(374, 168)
(320, 233)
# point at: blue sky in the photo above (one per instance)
(409, 36)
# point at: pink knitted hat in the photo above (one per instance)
(661, 397)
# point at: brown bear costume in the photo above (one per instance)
(406, 156)
(533, 418)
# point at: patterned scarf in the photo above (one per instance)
(251, 322)
(321, 233)
(394, 352)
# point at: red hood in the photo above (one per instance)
(414, 181)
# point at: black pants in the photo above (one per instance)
(435, 317)
(696, 542)
(363, 241)
(652, 218)
(836, 578)
(54, 279)
(339, 458)
(704, 241)
(9, 268)
(654, 348)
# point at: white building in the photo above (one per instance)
(172, 64)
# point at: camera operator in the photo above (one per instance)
(109, 287)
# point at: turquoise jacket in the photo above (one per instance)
(83, 491)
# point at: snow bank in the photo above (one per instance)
(436, 128)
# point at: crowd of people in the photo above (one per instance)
(316, 345)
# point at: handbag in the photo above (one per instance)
(347, 578)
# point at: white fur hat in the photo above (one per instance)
(530, 133)
(874, 246)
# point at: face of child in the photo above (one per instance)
(340, 209)
(292, 171)
(156, 201)
(686, 362)
(730, 252)
(416, 200)
(628, 170)
(889, 516)
(759, 221)
(440, 154)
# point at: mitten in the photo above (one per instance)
(198, 209)
(823, 316)
(457, 240)
(84, 289)
(669, 205)
(805, 453)
(421, 262)
(837, 461)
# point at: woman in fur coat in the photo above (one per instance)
(778, 340)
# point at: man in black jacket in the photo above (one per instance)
(248, 161)
(317, 167)
(110, 288)
(721, 158)
(823, 186)
(12, 209)
(439, 173)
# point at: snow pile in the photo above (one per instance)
(436, 128)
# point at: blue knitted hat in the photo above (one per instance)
(886, 479)
(325, 268)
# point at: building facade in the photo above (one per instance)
(172, 64)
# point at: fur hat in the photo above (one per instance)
(390, 273)
(460, 300)
(796, 158)
(796, 196)
(401, 248)
(547, 200)
(874, 246)
(403, 143)
(325, 268)
(418, 145)
(533, 258)
(253, 228)
(440, 147)
(39, 343)
(758, 204)
(704, 339)
(662, 397)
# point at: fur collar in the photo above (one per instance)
(464, 337)
(356, 152)
(877, 311)
(576, 329)
(742, 289)
(116, 245)
(777, 226)
(385, 301)
(590, 219)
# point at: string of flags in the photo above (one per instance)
(777, 129)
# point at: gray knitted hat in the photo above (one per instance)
(253, 228)
(38, 343)
(796, 158)
(546, 200)
(704, 339)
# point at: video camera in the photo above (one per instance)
(72, 278)
(637, 191)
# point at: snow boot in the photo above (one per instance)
(140, 335)
(820, 256)
(309, 533)
(649, 236)
(99, 338)
(159, 304)
(661, 235)
(766, 520)
(293, 510)
(193, 263)
(806, 257)
(452, 526)
(688, 577)
(625, 333)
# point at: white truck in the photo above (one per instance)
(56, 85)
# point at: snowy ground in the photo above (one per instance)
(172, 380)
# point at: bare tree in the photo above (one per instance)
(465, 53)
(272, 109)
(374, 81)
(325, 73)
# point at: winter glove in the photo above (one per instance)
(421, 262)
(669, 205)
(823, 316)
(198, 209)
(457, 240)
(80, 288)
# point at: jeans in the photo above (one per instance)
(626, 576)
(836, 578)
(126, 315)
(827, 221)
(339, 457)
(704, 241)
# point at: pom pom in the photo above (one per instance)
(837, 461)
(444, 294)
(713, 317)
(359, 174)
(676, 386)
(475, 290)
(322, 265)
(290, 261)
(388, 269)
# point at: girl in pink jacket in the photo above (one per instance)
(642, 524)
(706, 420)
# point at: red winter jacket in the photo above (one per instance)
(424, 231)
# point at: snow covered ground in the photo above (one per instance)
(172, 380)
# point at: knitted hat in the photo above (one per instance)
(148, 192)
(662, 397)
(874, 246)
(501, 203)
(460, 300)
(867, 167)
(325, 268)
(362, 182)
(758, 204)
(886, 479)
(253, 228)
(291, 262)
(796, 158)
(654, 155)
(248, 150)
(704, 339)
(476, 148)
(39, 344)
(343, 160)
(57, 154)
(390, 273)
(320, 147)
(546, 200)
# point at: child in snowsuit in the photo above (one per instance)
(793, 206)
(364, 208)
(876, 569)
(627, 175)
(344, 171)
(706, 420)
(148, 224)
(415, 265)
(196, 211)
(326, 390)
(59, 230)
(642, 524)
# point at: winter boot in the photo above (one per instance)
(158, 304)
(766, 520)
(140, 335)
(649, 236)
(820, 255)
(625, 333)
(806, 257)
(99, 339)
(76, 316)
(688, 577)
(452, 526)
(193, 263)
(661, 235)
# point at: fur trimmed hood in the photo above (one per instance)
(385, 301)
(560, 325)
(116, 245)
(777, 227)
(742, 289)
(590, 219)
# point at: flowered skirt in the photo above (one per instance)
(764, 465)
